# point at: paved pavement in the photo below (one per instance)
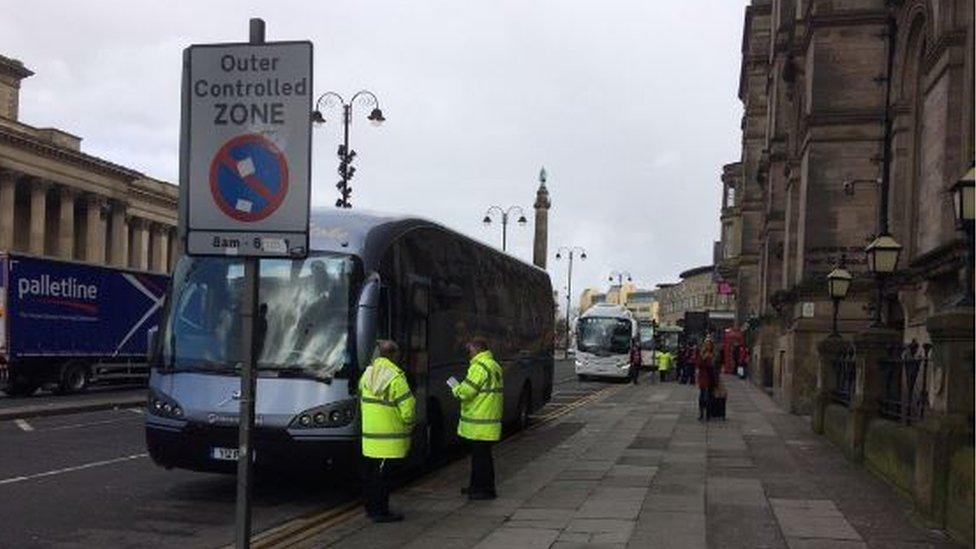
(100, 398)
(637, 469)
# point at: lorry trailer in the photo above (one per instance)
(65, 324)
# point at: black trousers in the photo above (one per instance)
(704, 399)
(376, 486)
(482, 467)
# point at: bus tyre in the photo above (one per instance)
(522, 418)
(433, 438)
(74, 378)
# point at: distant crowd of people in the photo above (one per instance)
(701, 364)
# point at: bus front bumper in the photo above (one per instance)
(195, 446)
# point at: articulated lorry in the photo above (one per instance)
(65, 325)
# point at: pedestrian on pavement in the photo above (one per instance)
(635, 362)
(704, 366)
(480, 424)
(387, 411)
(743, 362)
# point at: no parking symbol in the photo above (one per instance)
(248, 178)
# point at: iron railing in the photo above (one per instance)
(844, 372)
(904, 374)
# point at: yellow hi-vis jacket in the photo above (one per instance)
(387, 408)
(665, 361)
(481, 399)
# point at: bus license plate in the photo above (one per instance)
(226, 454)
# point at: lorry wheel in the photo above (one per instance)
(20, 387)
(74, 378)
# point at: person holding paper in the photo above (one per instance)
(480, 424)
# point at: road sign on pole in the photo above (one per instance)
(245, 175)
(247, 139)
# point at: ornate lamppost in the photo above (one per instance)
(512, 210)
(570, 252)
(838, 283)
(346, 155)
(964, 200)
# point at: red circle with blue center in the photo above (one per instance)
(249, 178)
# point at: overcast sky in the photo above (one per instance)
(630, 105)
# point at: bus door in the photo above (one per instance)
(414, 340)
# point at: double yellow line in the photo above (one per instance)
(296, 531)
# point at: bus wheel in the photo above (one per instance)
(74, 378)
(522, 418)
(433, 437)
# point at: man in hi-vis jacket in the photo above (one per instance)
(387, 410)
(480, 424)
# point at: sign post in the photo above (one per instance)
(245, 177)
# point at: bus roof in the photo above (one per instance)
(607, 310)
(367, 233)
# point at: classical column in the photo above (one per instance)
(139, 254)
(8, 186)
(38, 215)
(66, 223)
(120, 235)
(160, 235)
(95, 237)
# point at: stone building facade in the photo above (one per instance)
(813, 88)
(825, 122)
(57, 201)
(697, 292)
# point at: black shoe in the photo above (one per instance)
(481, 496)
(465, 490)
(390, 516)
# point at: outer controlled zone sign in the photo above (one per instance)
(245, 150)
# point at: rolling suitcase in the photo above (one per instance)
(717, 406)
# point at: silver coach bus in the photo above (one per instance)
(604, 335)
(369, 276)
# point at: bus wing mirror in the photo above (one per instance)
(367, 313)
(152, 336)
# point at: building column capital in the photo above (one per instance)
(39, 184)
(8, 174)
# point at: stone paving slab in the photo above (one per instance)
(636, 469)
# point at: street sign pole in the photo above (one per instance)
(245, 179)
(250, 339)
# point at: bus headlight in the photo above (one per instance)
(335, 414)
(163, 405)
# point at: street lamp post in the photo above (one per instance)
(346, 155)
(619, 275)
(838, 283)
(964, 201)
(505, 214)
(570, 252)
(883, 253)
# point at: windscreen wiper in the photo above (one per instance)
(296, 372)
